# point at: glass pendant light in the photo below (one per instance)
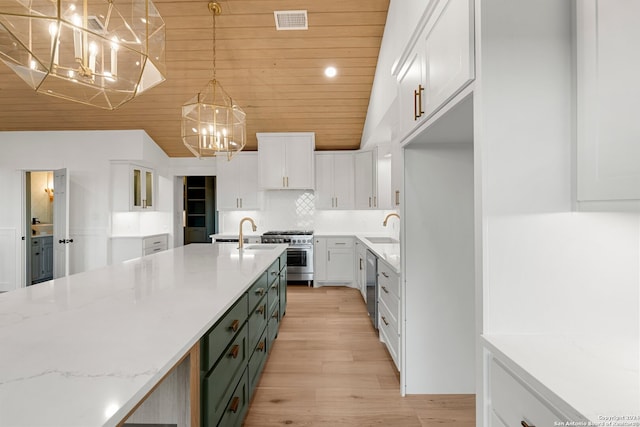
(211, 122)
(99, 52)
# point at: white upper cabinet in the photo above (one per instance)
(285, 160)
(608, 128)
(366, 180)
(132, 187)
(334, 181)
(237, 182)
(438, 64)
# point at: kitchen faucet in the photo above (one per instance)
(384, 223)
(240, 237)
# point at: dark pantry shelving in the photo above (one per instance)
(199, 204)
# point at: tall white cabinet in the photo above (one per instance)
(285, 160)
(237, 182)
(334, 180)
(608, 128)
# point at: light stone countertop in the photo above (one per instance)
(85, 349)
(388, 252)
(595, 377)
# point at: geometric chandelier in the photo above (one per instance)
(212, 123)
(97, 52)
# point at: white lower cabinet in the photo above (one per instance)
(389, 310)
(361, 259)
(129, 247)
(333, 260)
(514, 401)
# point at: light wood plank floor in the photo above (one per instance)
(328, 368)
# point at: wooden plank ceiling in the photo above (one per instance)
(275, 76)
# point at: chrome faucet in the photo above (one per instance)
(384, 223)
(240, 237)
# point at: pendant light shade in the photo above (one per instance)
(97, 52)
(211, 122)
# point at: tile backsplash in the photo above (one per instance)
(295, 210)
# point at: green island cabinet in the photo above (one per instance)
(235, 349)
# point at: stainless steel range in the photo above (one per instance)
(299, 253)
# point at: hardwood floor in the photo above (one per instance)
(328, 368)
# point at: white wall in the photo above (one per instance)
(547, 270)
(86, 155)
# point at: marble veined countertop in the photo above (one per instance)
(595, 377)
(85, 349)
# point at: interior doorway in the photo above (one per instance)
(39, 212)
(200, 210)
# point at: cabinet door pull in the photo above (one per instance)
(274, 286)
(260, 346)
(415, 105)
(369, 201)
(523, 423)
(375, 201)
(234, 351)
(384, 289)
(235, 402)
(144, 203)
(341, 243)
(260, 291)
(384, 274)
(384, 319)
(397, 197)
(283, 185)
(336, 202)
(261, 309)
(275, 314)
(420, 91)
(235, 325)
(360, 263)
(287, 182)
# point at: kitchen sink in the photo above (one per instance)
(252, 247)
(382, 240)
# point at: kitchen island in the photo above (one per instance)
(86, 349)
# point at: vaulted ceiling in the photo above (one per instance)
(277, 77)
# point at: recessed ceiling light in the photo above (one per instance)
(330, 71)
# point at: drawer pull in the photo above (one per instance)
(261, 309)
(273, 273)
(275, 314)
(261, 346)
(234, 351)
(384, 319)
(235, 402)
(384, 289)
(384, 274)
(523, 423)
(274, 286)
(260, 291)
(235, 325)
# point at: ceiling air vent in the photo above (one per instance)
(291, 19)
(94, 24)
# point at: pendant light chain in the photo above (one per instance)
(215, 9)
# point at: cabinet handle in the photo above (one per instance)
(384, 289)
(37, 253)
(415, 105)
(274, 286)
(360, 263)
(287, 182)
(235, 402)
(260, 291)
(283, 185)
(274, 273)
(275, 314)
(234, 351)
(523, 423)
(384, 274)
(384, 319)
(260, 346)
(144, 203)
(420, 91)
(336, 202)
(369, 201)
(397, 197)
(235, 325)
(341, 243)
(261, 309)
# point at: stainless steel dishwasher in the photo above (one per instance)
(371, 275)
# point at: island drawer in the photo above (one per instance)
(273, 271)
(513, 402)
(238, 405)
(218, 337)
(221, 379)
(257, 322)
(272, 327)
(258, 290)
(273, 295)
(257, 361)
